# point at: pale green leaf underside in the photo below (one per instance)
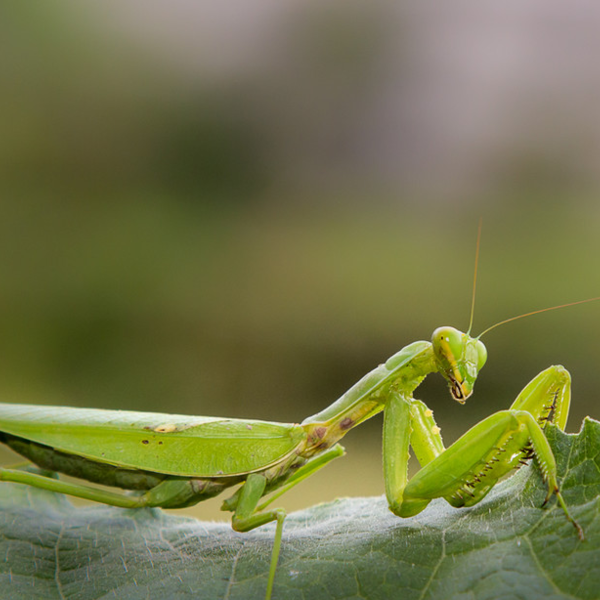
(504, 548)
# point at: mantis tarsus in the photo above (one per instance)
(175, 461)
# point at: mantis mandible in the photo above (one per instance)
(175, 461)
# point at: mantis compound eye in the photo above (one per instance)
(481, 354)
(448, 342)
(449, 349)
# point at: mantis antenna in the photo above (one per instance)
(536, 312)
(528, 314)
(475, 275)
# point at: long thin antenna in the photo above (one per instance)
(537, 312)
(475, 275)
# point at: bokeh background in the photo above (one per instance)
(239, 208)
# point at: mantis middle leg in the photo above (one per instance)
(248, 514)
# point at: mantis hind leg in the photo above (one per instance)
(72, 489)
(170, 493)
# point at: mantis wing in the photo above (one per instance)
(172, 444)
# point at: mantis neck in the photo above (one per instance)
(404, 372)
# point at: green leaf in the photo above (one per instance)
(505, 547)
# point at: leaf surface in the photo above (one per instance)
(505, 547)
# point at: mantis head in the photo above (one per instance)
(459, 358)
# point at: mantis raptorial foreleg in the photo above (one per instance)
(465, 472)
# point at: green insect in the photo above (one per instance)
(175, 461)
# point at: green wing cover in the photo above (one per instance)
(172, 444)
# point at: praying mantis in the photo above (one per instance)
(175, 461)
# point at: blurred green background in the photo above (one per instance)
(238, 209)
